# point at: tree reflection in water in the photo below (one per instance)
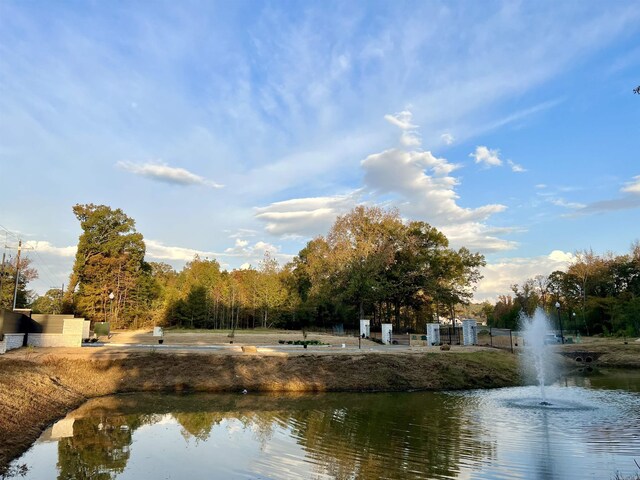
(99, 448)
(343, 435)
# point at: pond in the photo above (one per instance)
(590, 430)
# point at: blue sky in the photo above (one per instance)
(231, 128)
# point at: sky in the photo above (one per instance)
(231, 128)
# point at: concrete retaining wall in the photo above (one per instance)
(11, 341)
(71, 335)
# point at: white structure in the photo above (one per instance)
(62, 428)
(469, 332)
(157, 332)
(86, 330)
(365, 328)
(71, 336)
(433, 334)
(387, 328)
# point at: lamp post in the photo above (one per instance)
(111, 297)
(575, 324)
(560, 322)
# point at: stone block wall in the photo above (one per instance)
(11, 341)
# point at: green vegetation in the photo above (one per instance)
(8, 283)
(370, 263)
(110, 279)
(598, 294)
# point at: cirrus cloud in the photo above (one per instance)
(164, 173)
(305, 217)
(633, 186)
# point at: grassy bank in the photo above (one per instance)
(36, 392)
(614, 353)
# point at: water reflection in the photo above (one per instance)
(99, 447)
(477, 434)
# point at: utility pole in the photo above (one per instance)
(1, 277)
(15, 291)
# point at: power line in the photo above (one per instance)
(9, 232)
(51, 277)
(56, 279)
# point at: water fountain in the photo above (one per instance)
(536, 350)
(538, 360)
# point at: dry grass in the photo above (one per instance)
(614, 352)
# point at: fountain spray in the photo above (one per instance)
(536, 352)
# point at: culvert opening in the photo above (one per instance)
(579, 359)
(588, 359)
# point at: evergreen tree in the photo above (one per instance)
(109, 281)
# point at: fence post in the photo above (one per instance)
(490, 337)
(511, 341)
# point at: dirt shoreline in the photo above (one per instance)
(37, 390)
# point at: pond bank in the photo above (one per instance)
(37, 391)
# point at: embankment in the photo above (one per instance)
(36, 392)
(616, 355)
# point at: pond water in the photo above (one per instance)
(590, 430)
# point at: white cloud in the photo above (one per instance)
(501, 274)
(516, 168)
(158, 250)
(478, 236)
(46, 247)
(165, 173)
(561, 202)
(418, 183)
(632, 186)
(242, 251)
(253, 254)
(401, 120)
(305, 217)
(410, 139)
(240, 244)
(244, 232)
(487, 157)
(429, 196)
(447, 138)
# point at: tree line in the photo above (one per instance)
(370, 264)
(598, 294)
(10, 289)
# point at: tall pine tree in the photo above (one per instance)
(109, 278)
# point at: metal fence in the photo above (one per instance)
(499, 338)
